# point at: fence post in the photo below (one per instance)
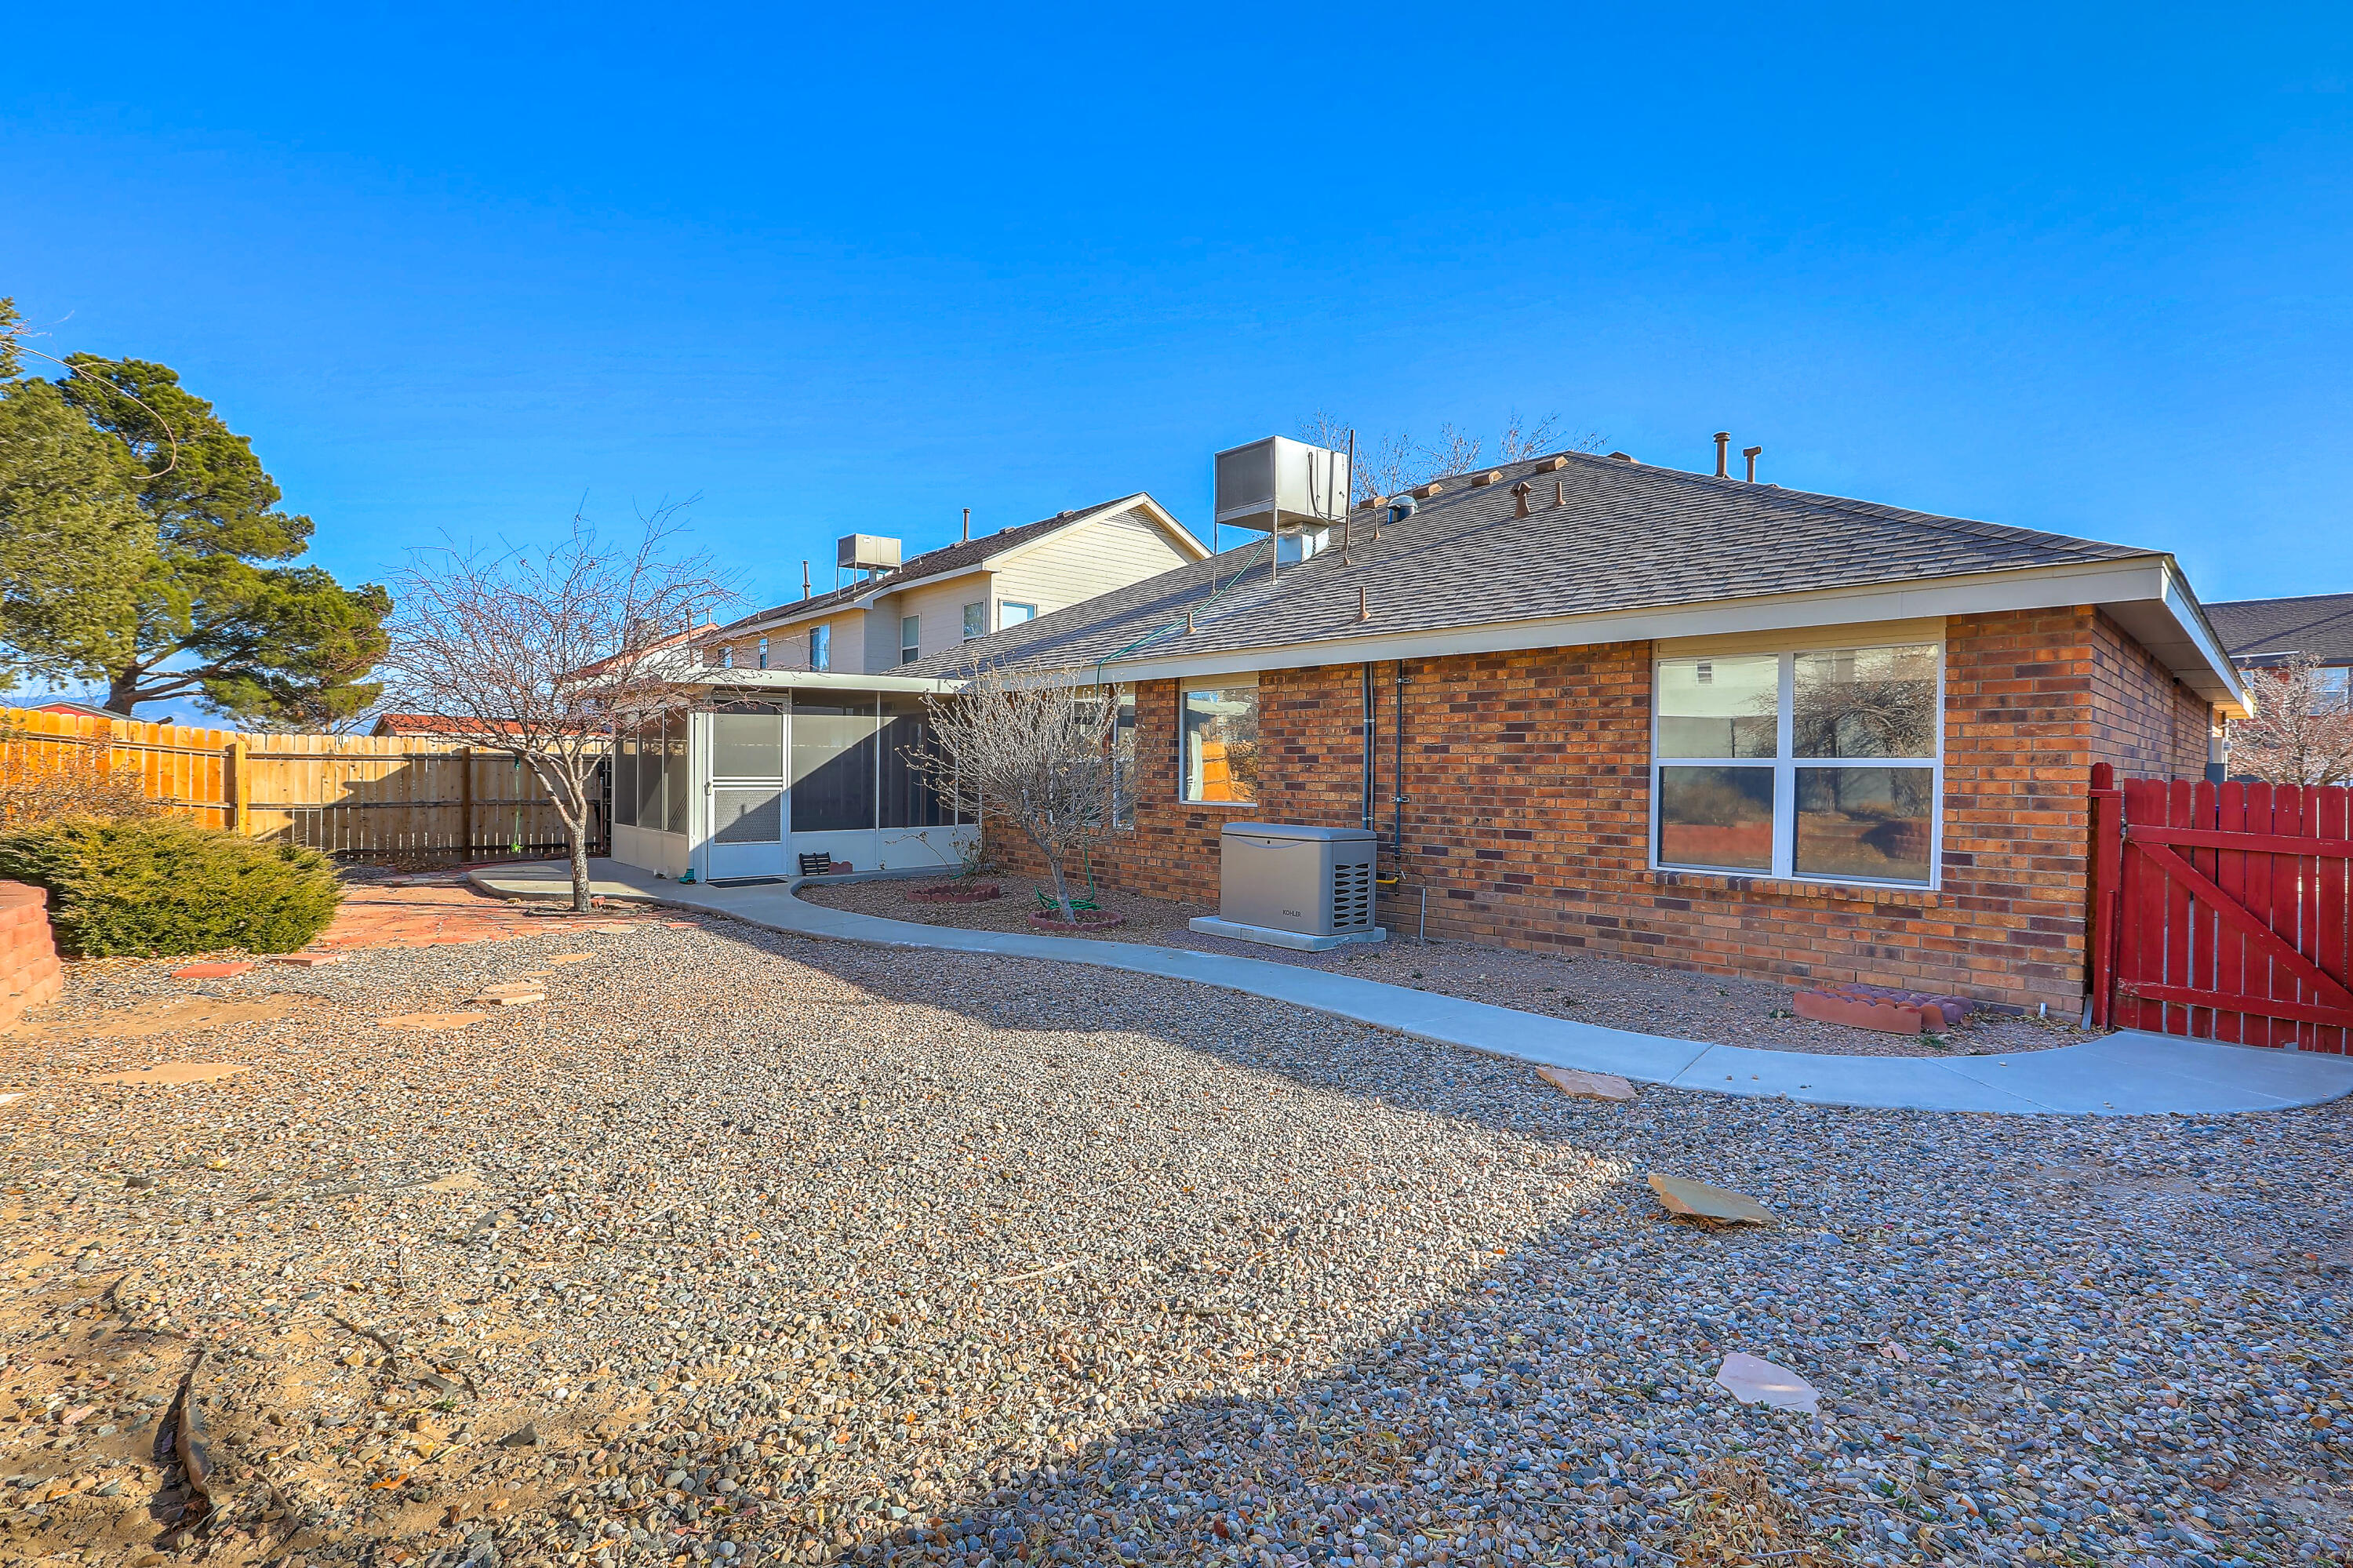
(2107, 804)
(464, 802)
(238, 798)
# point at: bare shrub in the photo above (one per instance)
(1032, 750)
(539, 653)
(1393, 461)
(45, 780)
(2302, 729)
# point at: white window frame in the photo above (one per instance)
(1241, 682)
(1785, 763)
(1029, 613)
(820, 648)
(976, 619)
(911, 639)
(764, 653)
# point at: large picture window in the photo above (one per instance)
(1822, 764)
(1219, 760)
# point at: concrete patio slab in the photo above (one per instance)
(2119, 1074)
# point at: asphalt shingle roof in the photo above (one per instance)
(2318, 625)
(962, 554)
(1622, 536)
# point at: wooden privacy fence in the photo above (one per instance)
(2223, 911)
(363, 797)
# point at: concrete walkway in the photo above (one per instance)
(2127, 1073)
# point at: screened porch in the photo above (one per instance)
(779, 764)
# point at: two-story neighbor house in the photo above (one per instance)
(805, 744)
(933, 603)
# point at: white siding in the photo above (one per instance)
(788, 649)
(941, 609)
(1080, 563)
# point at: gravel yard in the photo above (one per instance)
(744, 1248)
(1646, 998)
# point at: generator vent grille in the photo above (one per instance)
(1352, 897)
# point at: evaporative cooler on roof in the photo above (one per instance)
(1280, 484)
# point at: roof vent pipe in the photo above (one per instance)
(805, 579)
(1724, 454)
(1752, 453)
(968, 524)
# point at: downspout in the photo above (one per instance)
(1371, 742)
(1396, 800)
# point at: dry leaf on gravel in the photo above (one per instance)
(1734, 1518)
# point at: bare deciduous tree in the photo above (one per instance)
(2302, 728)
(1393, 461)
(1034, 751)
(540, 652)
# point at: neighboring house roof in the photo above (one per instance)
(421, 726)
(78, 710)
(1626, 540)
(963, 556)
(434, 726)
(2268, 630)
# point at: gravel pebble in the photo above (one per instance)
(1619, 994)
(792, 1252)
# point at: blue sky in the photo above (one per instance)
(2077, 268)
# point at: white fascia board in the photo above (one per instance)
(2148, 579)
(1159, 514)
(816, 679)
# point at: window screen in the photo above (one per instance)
(833, 755)
(909, 799)
(746, 816)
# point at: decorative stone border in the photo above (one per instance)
(954, 893)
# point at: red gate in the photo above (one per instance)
(2223, 911)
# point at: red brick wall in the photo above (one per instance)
(1529, 810)
(2149, 723)
(28, 959)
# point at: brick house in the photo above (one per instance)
(1593, 704)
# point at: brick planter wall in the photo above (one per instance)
(1529, 816)
(28, 958)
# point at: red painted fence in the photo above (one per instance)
(2223, 911)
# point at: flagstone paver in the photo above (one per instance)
(432, 915)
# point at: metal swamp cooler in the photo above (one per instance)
(1290, 885)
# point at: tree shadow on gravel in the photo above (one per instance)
(1550, 1401)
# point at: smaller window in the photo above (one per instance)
(976, 619)
(1220, 745)
(820, 647)
(1123, 760)
(911, 639)
(727, 657)
(764, 653)
(1011, 614)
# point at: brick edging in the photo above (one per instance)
(29, 973)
